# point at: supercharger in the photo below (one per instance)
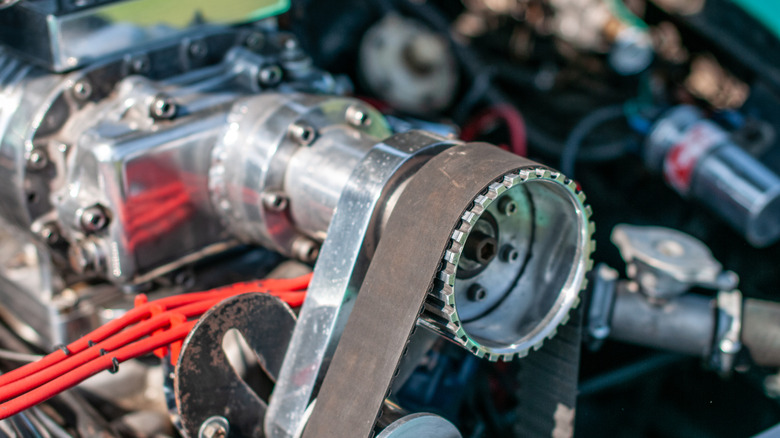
(131, 166)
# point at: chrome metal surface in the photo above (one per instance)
(761, 331)
(600, 307)
(666, 262)
(339, 272)
(728, 342)
(109, 187)
(685, 324)
(402, 280)
(699, 161)
(486, 305)
(420, 425)
(292, 145)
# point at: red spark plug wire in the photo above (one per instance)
(150, 326)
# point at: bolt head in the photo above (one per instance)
(198, 49)
(291, 44)
(93, 219)
(275, 201)
(139, 64)
(255, 40)
(214, 427)
(509, 254)
(305, 250)
(38, 159)
(163, 108)
(507, 206)
(358, 116)
(304, 134)
(82, 90)
(270, 75)
(477, 293)
(50, 233)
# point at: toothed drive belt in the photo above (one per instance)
(401, 273)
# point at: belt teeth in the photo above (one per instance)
(495, 190)
(440, 311)
(447, 275)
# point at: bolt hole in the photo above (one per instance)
(307, 134)
(244, 361)
(477, 293)
(312, 253)
(487, 251)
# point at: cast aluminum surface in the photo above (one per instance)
(339, 272)
(552, 232)
(402, 273)
(667, 262)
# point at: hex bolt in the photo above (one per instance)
(87, 256)
(507, 206)
(255, 41)
(214, 427)
(50, 233)
(139, 64)
(477, 293)
(93, 219)
(291, 44)
(509, 254)
(38, 159)
(303, 133)
(275, 201)
(82, 90)
(163, 108)
(358, 116)
(305, 249)
(269, 75)
(480, 247)
(198, 49)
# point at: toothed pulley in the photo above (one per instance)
(487, 248)
(514, 266)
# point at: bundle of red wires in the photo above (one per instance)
(152, 326)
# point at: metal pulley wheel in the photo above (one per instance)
(420, 425)
(428, 238)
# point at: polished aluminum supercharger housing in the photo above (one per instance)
(128, 169)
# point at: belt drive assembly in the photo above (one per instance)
(446, 220)
(483, 247)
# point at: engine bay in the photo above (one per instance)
(389, 218)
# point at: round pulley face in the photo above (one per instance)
(420, 425)
(516, 264)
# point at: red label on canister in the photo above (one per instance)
(682, 158)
